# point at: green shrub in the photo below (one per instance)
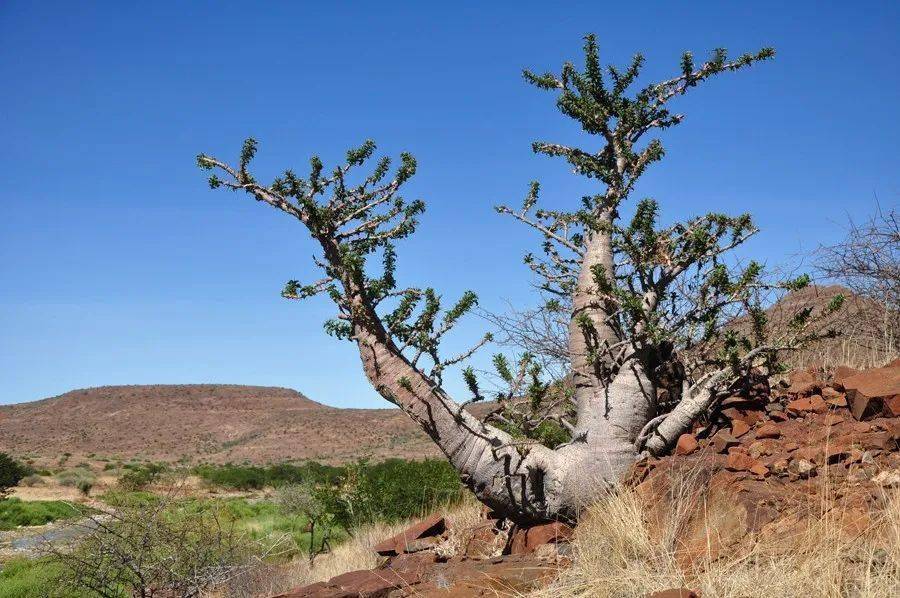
(75, 478)
(33, 480)
(18, 513)
(11, 473)
(251, 477)
(139, 477)
(396, 489)
(184, 552)
(84, 486)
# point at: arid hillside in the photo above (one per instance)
(204, 422)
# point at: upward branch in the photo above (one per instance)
(351, 222)
(616, 276)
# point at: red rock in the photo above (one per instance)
(737, 461)
(739, 428)
(838, 401)
(675, 593)
(803, 382)
(686, 444)
(722, 441)
(868, 390)
(833, 419)
(778, 416)
(892, 406)
(813, 404)
(483, 542)
(432, 526)
(841, 373)
(749, 416)
(780, 467)
(829, 392)
(768, 431)
(519, 541)
(760, 470)
(549, 533)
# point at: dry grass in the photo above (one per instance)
(616, 554)
(351, 555)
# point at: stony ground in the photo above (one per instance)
(770, 463)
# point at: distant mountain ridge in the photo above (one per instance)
(204, 422)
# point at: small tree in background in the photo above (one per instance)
(867, 261)
(11, 473)
(636, 294)
(149, 548)
(313, 504)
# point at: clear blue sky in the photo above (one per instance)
(119, 266)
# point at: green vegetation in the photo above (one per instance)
(281, 533)
(11, 472)
(396, 489)
(39, 578)
(251, 477)
(192, 540)
(358, 493)
(17, 513)
(77, 477)
(140, 476)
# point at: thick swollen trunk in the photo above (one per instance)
(585, 346)
(518, 481)
(606, 434)
(523, 481)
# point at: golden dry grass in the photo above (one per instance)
(616, 555)
(351, 555)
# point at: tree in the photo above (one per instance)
(312, 503)
(867, 260)
(638, 293)
(11, 473)
(153, 547)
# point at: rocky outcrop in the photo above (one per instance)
(756, 467)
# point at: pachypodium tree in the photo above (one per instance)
(639, 293)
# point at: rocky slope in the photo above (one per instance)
(204, 422)
(770, 466)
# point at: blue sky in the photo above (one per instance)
(119, 265)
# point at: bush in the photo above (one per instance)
(395, 489)
(251, 477)
(18, 513)
(75, 478)
(11, 473)
(84, 486)
(33, 480)
(184, 552)
(139, 477)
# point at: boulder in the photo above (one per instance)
(804, 382)
(686, 444)
(811, 404)
(873, 392)
(526, 540)
(402, 542)
(737, 461)
(768, 431)
(841, 373)
(722, 441)
(739, 428)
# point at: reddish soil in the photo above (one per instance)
(205, 422)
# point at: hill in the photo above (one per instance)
(204, 422)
